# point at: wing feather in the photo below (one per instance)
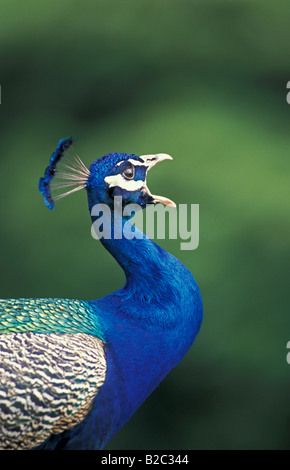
(47, 384)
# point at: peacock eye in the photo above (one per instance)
(129, 172)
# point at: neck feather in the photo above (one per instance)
(145, 264)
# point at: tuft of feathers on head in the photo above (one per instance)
(65, 169)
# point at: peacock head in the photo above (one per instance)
(123, 175)
(115, 174)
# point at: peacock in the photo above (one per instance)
(72, 372)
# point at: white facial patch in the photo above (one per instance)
(131, 160)
(131, 185)
(121, 182)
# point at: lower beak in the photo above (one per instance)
(150, 161)
(163, 200)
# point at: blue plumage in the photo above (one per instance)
(103, 370)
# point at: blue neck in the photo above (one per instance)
(159, 288)
(148, 325)
(144, 263)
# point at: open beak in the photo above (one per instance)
(150, 161)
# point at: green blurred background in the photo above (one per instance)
(204, 81)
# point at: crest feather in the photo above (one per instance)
(65, 169)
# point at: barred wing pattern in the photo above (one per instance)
(47, 384)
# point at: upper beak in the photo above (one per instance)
(152, 160)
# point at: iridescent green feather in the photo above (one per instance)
(47, 316)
